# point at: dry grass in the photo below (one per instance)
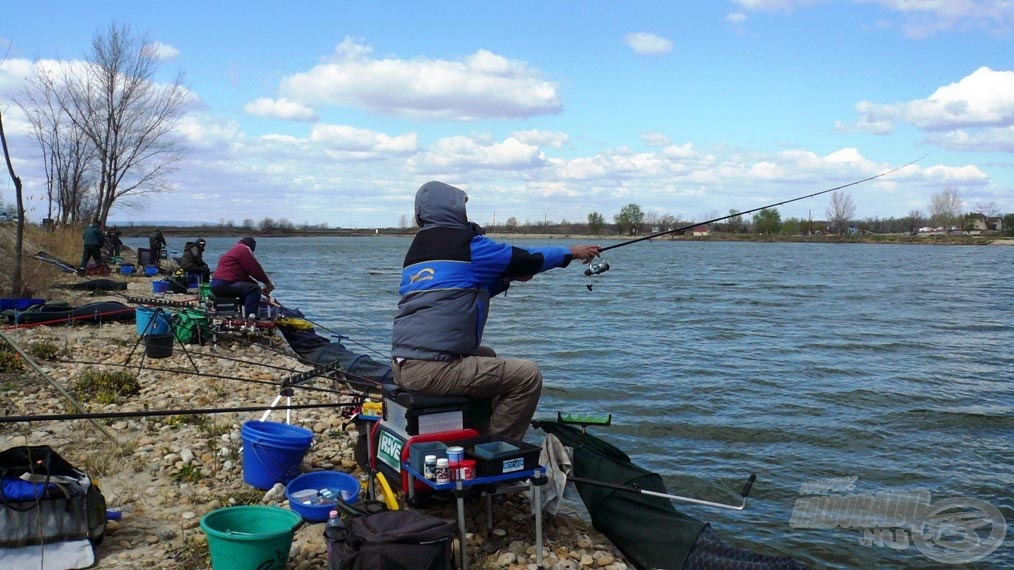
(37, 277)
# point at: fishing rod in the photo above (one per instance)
(157, 413)
(593, 270)
(192, 373)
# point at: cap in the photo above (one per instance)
(249, 242)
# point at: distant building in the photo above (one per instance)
(699, 231)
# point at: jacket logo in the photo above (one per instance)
(423, 275)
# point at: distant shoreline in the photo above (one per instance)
(215, 231)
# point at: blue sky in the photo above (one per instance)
(336, 112)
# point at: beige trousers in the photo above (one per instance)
(515, 385)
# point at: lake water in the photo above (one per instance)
(892, 364)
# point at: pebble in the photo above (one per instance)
(162, 515)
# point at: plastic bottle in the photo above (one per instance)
(334, 531)
(443, 472)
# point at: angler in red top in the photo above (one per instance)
(237, 275)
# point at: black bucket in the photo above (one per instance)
(159, 345)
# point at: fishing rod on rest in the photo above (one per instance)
(601, 266)
(162, 413)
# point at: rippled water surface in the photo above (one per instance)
(797, 362)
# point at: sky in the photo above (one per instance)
(336, 112)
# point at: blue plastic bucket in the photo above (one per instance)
(335, 481)
(272, 452)
(247, 537)
(159, 286)
(127, 269)
(144, 316)
(151, 270)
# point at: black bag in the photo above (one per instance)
(48, 509)
(395, 540)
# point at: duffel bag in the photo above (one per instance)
(51, 514)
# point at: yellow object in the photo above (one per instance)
(373, 409)
(294, 323)
(388, 495)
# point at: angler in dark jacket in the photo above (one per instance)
(156, 242)
(237, 274)
(450, 273)
(192, 262)
(93, 241)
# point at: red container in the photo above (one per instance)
(466, 469)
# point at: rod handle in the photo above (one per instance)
(748, 486)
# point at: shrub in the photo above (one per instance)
(106, 387)
(44, 350)
(10, 361)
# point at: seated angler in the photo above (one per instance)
(450, 273)
(237, 275)
(193, 260)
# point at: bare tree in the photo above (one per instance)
(945, 208)
(914, 220)
(840, 210)
(988, 209)
(127, 118)
(19, 197)
(67, 153)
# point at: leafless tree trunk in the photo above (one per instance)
(68, 154)
(125, 116)
(19, 244)
(946, 207)
(840, 210)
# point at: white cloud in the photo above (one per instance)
(482, 85)
(974, 113)
(161, 51)
(654, 139)
(467, 153)
(347, 138)
(780, 5)
(922, 19)
(648, 44)
(13, 73)
(919, 19)
(280, 109)
(552, 139)
(1000, 139)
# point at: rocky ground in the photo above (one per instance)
(164, 472)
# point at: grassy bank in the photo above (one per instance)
(37, 276)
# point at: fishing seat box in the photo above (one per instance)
(414, 413)
(224, 306)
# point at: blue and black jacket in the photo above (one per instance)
(451, 271)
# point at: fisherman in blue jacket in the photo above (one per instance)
(450, 273)
(93, 239)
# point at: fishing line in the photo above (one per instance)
(199, 374)
(695, 224)
(335, 333)
(158, 413)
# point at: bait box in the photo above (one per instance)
(504, 456)
(417, 453)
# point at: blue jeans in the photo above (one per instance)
(249, 292)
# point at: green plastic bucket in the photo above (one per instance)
(250, 537)
(205, 290)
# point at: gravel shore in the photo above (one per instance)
(164, 472)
